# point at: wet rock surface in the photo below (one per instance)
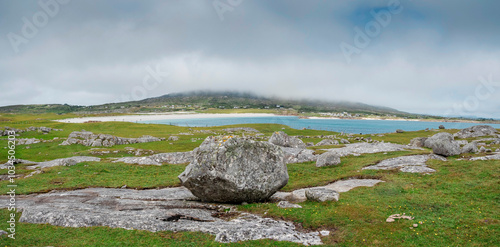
(412, 164)
(235, 170)
(167, 209)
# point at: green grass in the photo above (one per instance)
(458, 205)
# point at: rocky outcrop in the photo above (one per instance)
(57, 162)
(284, 140)
(488, 157)
(418, 142)
(235, 170)
(27, 141)
(412, 164)
(237, 129)
(158, 159)
(340, 186)
(44, 130)
(443, 144)
(169, 209)
(328, 159)
(321, 194)
(88, 138)
(363, 147)
(327, 142)
(476, 131)
(298, 155)
(344, 141)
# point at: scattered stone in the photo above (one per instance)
(309, 144)
(400, 131)
(235, 170)
(344, 141)
(328, 159)
(158, 159)
(476, 131)
(412, 163)
(443, 144)
(418, 142)
(169, 209)
(27, 141)
(282, 139)
(2, 232)
(415, 225)
(327, 142)
(363, 147)
(173, 138)
(63, 162)
(286, 204)
(88, 138)
(324, 233)
(298, 155)
(482, 149)
(245, 129)
(321, 194)
(488, 157)
(441, 127)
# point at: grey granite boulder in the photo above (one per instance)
(286, 204)
(235, 170)
(298, 155)
(344, 141)
(476, 131)
(282, 139)
(328, 159)
(321, 194)
(443, 144)
(470, 148)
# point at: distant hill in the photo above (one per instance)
(204, 100)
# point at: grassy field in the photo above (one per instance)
(458, 205)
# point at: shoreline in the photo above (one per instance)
(194, 115)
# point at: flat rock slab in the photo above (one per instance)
(169, 209)
(340, 186)
(158, 159)
(412, 163)
(57, 162)
(369, 148)
(488, 157)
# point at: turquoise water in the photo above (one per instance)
(338, 125)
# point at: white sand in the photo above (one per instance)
(164, 116)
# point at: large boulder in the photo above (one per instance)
(235, 170)
(443, 144)
(328, 159)
(282, 139)
(476, 131)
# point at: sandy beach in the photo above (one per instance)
(164, 116)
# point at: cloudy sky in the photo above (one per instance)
(433, 57)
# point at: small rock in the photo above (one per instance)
(328, 159)
(324, 233)
(400, 131)
(441, 127)
(286, 204)
(482, 149)
(321, 194)
(415, 225)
